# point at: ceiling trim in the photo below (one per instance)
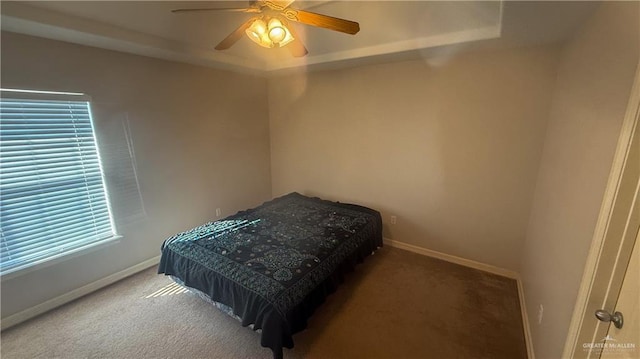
(25, 19)
(453, 38)
(30, 20)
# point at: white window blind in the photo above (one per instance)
(118, 159)
(52, 194)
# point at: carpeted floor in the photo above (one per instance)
(396, 304)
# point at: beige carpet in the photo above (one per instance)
(396, 304)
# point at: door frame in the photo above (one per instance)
(601, 269)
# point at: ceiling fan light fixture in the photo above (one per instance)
(271, 33)
(277, 32)
(269, 28)
(286, 36)
(257, 32)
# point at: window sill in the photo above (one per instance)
(59, 258)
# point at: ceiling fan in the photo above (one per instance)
(269, 27)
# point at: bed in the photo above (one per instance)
(273, 265)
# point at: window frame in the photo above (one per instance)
(82, 248)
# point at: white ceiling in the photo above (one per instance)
(388, 28)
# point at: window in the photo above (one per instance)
(52, 195)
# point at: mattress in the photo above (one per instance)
(273, 265)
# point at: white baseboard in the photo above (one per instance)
(453, 259)
(480, 266)
(525, 320)
(75, 294)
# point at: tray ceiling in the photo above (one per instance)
(387, 28)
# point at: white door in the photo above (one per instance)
(624, 342)
(610, 254)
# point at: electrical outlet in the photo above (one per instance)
(218, 212)
(540, 314)
(394, 219)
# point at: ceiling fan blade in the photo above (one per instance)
(277, 5)
(324, 21)
(234, 36)
(248, 10)
(296, 47)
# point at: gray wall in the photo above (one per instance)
(201, 138)
(595, 76)
(450, 146)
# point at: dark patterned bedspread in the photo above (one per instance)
(276, 263)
